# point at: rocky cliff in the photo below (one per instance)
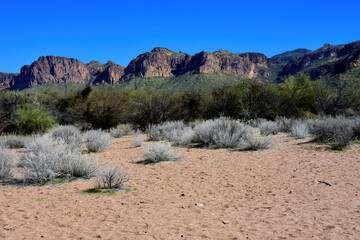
(330, 59)
(162, 62)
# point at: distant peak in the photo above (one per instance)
(223, 52)
(161, 50)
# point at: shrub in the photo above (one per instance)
(160, 132)
(97, 140)
(6, 164)
(284, 124)
(180, 136)
(159, 152)
(299, 129)
(111, 178)
(49, 159)
(339, 130)
(268, 127)
(69, 134)
(222, 132)
(255, 143)
(13, 141)
(138, 140)
(121, 131)
(31, 119)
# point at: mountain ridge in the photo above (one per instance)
(163, 63)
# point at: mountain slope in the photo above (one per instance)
(164, 69)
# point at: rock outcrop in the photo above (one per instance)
(325, 60)
(162, 62)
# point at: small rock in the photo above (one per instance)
(315, 181)
(199, 204)
(225, 222)
(183, 236)
(183, 194)
(182, 206)
(291, 192)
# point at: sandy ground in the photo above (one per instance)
(227, 195)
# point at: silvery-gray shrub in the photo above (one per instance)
(121, 131)
(180, 136)
(222, 132)
(255, 143)
(284, 124)
(6, 164)
(97, 140)
(160, 132)
(138, 140)
(110, 177)
(69, 134)
(299, 129)
(268, 127)
(48, 159)
(339, 130)
(159, 152)
(13, 141)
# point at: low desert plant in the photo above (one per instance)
(13, 141)
(268, 127)
(339, 131)
(284, 124)
(159, 152)
(180, 136)
(111, 177)
(6, 164)
(299, 129)
(160, 131)
(48, 159)
(97, 140)
(121, 131)
(69, 134)
(255, 143)
(138, 140)
(222, 133)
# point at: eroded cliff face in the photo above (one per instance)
(249, 65)
(325, 60)
(7, 79)
(162, 62)
(51, 69)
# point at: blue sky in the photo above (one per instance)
(121, 30)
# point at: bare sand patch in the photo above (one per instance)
(212, 194)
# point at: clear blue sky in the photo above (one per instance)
(121, 30)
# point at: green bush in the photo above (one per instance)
(30, 119)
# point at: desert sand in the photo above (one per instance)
(212, 194)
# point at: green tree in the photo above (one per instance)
(30, 118)
(297, 95)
